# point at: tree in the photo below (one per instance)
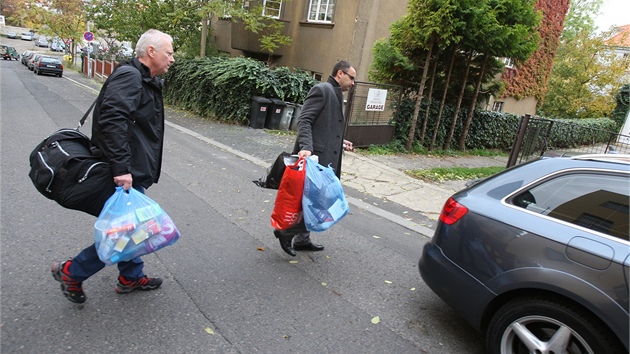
(586, 73)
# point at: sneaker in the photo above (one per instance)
(71, 288)
(145, 283)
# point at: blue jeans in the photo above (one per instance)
(87, 263)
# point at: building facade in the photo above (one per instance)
(322, 31)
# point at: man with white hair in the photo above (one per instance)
(128, 128)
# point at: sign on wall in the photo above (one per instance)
(376, 100)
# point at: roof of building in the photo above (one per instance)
(621, 38)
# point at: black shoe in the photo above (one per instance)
(285, 242)
(308, 247)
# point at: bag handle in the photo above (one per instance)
(82, 121)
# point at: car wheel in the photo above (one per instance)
(39, 72)
(539, 325)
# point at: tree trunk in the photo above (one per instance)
(442, 102)
(419, 96)
(430, 98)
(473, 104)
(204, 37)
(447, 143)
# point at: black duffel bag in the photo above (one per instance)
(66, 168)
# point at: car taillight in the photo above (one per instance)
(452, 212)
(61, 67)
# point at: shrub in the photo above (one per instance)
(223, 87)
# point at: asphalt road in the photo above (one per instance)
(228, 287)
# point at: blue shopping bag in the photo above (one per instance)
(323, 200)
(131, 225)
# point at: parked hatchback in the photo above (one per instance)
(26, 36)
(48, 65)
(537, 257)
(42, 42)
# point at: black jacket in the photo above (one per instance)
(128, 123)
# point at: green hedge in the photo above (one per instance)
(223, 87)
(497, 130)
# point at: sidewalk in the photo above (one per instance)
(378, 179)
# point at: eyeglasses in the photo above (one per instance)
(350, 76)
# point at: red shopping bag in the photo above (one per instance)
(287, 210)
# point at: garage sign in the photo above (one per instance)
(376, 100)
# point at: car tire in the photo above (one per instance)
(542, 318)
(39, 72)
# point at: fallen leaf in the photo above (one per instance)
(324, 284)
(209, 330)
(413, 289)
(376, 236)
(293, 262)
(260, 248)
(376, 320)
(266, 201)
(388, 282)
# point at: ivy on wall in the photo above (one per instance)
(531, 77)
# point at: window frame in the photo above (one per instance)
(279, 9)
(316, 5)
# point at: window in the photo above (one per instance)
(321, 11)
(497, 106)
(271, 8)
(509, 62)
(595, 201)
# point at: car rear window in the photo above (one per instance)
(50, 61)
(595, 201)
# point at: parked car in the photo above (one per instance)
(537, 257)
(57, 46)
(26, 59)
(32, 59)
(11, 35)
(42, 42)
(48, 65)
(125, 52)
(25, 55)
(26, 36)
(8, 53)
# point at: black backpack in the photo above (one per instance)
(68, 169)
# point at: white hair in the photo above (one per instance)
(153, 38)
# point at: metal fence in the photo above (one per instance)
(535, 138)
(371, 127)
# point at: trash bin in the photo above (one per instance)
(258, 112)
(274, 115)
(287, 116)
(296, 114)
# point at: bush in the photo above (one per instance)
(223, 87)
(496, 130)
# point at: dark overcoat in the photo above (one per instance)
(321, 124)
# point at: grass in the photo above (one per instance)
(441, 174)
(398, 148)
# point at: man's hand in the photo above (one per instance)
(124, 180)
(304, 153)
(347, 145)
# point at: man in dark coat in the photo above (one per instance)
(128, 128)
(321, 128)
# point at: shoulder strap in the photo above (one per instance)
(82, 121)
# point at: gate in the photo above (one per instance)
(535, 138)
(370, 125)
